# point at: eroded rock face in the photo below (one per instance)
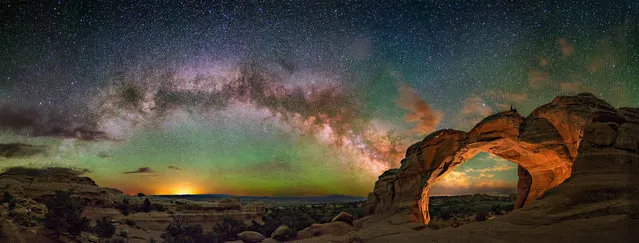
(41, 184)
(544, 145)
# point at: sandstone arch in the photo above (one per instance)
(544, 145)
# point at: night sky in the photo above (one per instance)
(292, 98)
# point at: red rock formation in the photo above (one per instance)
(41, 184)
(544, 145)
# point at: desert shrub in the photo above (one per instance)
(180, 231)
(496, 209)
(481, 217)
(125, 207)
(22, 219)
(129, 222)
(227, 229)
(104, 228)
(7, 197)
(146, 206)
(445, 214)
(158, 207)
(12, 205)
(124, 234)
(115, 240)
(508, 207)
(64, 214)
(267, 228)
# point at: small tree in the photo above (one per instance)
(496, 209)
(7, 197)
(227, 229)
(104, 228)
(141, 194)
(125, 207)
(179, 230)
(64, 214)
(12, 205)
(481, 217)
(146, 206)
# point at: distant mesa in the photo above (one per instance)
(40, 184)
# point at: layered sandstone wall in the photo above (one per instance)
(544, 145)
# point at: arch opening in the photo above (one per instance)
(539, 150)
(479, 188)
(538, 168)
(546, 143)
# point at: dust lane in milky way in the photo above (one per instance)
(294, 98)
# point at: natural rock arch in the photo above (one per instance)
(544, 145)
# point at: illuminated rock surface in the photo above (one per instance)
(579, 165)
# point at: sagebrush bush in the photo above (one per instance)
(64, 214)
(104, 228)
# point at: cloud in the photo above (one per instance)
(574, 87)
(474, 109)
(19, 150)
(30, 121)
(543, 61)
(538, 78)
(493, 169)
(504, 100)
(567, 49)
(455, 179)
(488, 186)
(477, 180)
(48, 171)
(139, 170)
(483, 175)
(172, 167)
(420, 112)
(17, 118)
(476, 106)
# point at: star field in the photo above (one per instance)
(293, 98)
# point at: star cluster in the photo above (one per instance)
(293, 98)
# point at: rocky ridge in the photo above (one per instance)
(578, 163)
(32, 187)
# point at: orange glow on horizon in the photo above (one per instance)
(184, 188)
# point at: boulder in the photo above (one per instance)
(601, 134)
(250, 237)
(628, 137)
(344, 217)
(283, 233)
(337, 228)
